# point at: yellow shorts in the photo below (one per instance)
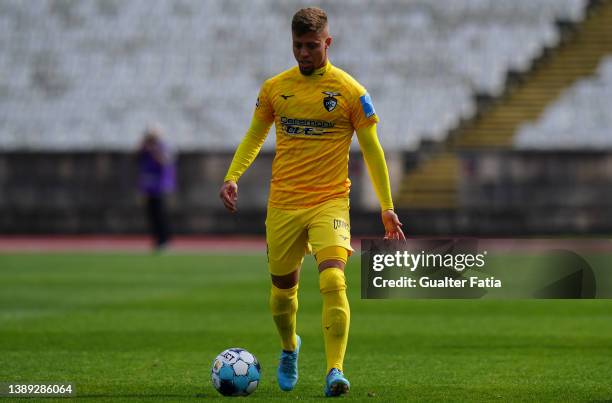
(291, 234)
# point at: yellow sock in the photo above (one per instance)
(336, 316)
(284, 306)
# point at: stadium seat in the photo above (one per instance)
(96, 72)
(579, 119)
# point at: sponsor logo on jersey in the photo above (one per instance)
(330, 102)
(285, 97)
(367, 105)
(306, 127)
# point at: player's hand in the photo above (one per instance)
(393, 226)
(229, 195)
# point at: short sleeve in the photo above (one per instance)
(263, 105)
(363, 113)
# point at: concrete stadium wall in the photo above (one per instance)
(72, 193)
(500, 193)
(527, 192)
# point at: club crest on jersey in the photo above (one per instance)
(330, 102)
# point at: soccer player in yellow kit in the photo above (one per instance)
(316, 108)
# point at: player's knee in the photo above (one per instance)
(332, 256)
(337, 321)
(331, 264)
(286, 281)
(332, 279)
(283, 300)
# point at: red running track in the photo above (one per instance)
(252, 244)
(95, 243)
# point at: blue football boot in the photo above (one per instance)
(287, 373)
(336, 384)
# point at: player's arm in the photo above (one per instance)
(374, 157)
(243, 158)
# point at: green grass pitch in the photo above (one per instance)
(137, 327)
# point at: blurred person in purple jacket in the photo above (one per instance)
(157, 178)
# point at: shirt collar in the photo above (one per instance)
(320, 72)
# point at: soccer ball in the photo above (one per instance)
(235, 372)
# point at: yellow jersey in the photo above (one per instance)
(315, 117)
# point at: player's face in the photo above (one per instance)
(310, 50)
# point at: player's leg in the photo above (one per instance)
(336, 316)
(287, 243)
(329, 234)
(284, 306)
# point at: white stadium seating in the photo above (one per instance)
(87, 74)
(579, 119)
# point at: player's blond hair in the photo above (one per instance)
(311, 19)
